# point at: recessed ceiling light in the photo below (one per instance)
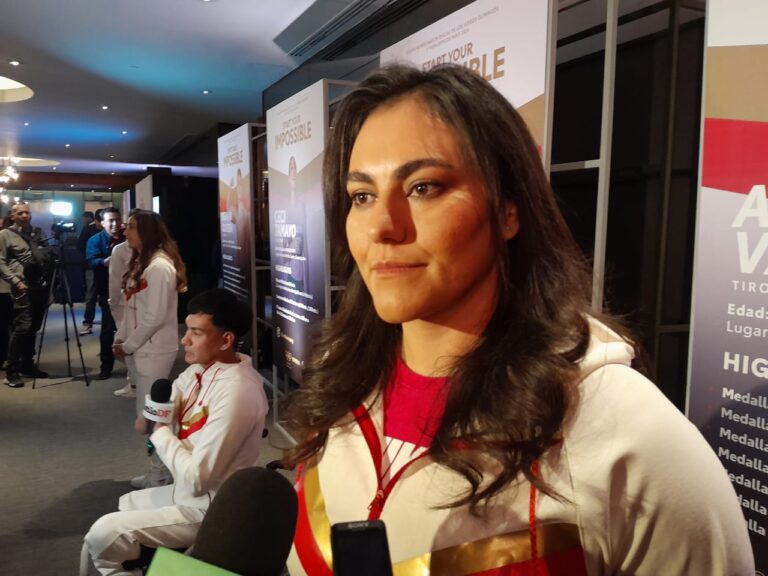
(54, 167)
(206, 91)
(71, 185)
(125, 131)
(13, 91)
(105, 107)
(110, 188)
(14, 62)
(66, 145)
(111, 155)
(26, 123)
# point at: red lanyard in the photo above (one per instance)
(363, 417)
(364, 420)
(532, 520)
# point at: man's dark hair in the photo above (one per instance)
(228, 312)
(88, 214)
(109, 210)
(99, 214)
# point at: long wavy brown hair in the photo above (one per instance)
(154, 236)
(509, 395)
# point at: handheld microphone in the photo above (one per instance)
(156, 406)
(250, 525)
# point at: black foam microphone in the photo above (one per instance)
(250, 524)
(156, 406)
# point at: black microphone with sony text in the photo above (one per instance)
(157, 407)
(250, 524)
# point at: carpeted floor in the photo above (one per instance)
(67, 452)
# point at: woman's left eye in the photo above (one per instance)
(425, 189)
(361, 198)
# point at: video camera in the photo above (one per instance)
(63, 226)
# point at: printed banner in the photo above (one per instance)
(296, 133)
(728, 372)
(144, 192)
(505, 41)
(235, 209)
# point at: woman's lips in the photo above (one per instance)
(394, 268)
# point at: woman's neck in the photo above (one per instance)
(430, 349)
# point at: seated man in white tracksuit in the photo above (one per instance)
(220, 407)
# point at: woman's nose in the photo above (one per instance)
(390, 219)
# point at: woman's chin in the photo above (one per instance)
(392, 313)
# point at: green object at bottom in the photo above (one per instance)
(171, 563)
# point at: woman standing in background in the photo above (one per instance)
(148, 337)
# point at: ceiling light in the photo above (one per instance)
(125, 131)
(105, 107)
(16, 198)
(111, 155)
(54, 167)
(206, 91)
(66, 145)
(26, 123)
(13, 91)
(7, 171)
(14, 63)
(71, 185)
(4, 197)
(112, 173)
(61, 208)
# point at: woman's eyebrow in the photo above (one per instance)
(402, 171)
(359, 176)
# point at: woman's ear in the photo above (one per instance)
(510, 223)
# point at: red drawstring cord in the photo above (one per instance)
(532, 521)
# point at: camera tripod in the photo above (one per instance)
(59, 274)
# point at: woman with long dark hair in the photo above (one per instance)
(148, 337)
(464, 392)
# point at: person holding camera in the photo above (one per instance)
(22, 265)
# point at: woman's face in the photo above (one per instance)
(419, 228)
(132, 235)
